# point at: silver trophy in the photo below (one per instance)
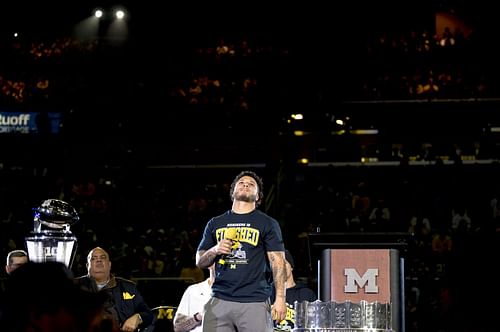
(345, 316)
(51, 239)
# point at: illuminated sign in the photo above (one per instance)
(30, 122)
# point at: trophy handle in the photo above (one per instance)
(73, 254)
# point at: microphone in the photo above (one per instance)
(230, 234)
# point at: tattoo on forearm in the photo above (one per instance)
(277, 260)
(206, 258)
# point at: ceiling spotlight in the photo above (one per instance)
(98, 13)
(120, 14)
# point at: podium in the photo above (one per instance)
(362, 268)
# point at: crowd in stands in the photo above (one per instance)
(236, 72)
(418, 65)
(20, 85)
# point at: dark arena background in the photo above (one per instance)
(359, 117)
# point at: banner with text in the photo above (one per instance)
(30, 122)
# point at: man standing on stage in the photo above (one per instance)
(247, 248)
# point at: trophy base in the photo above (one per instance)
(345, 316)
(51, 246)
(341, 330)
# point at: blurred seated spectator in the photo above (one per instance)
(43, 297)
(189, 314)
(15, 259)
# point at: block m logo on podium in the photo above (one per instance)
(359, 274)
(354, 281)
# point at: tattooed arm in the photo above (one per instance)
(205, 258)
(277, 260)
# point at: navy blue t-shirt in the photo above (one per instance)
(245, 274)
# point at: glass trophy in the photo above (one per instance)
(51, 239)
(344, 316)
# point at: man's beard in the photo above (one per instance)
(243, 197)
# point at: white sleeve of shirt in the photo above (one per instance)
(183, 307)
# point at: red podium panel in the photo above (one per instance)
(358, 267)
(360, 274)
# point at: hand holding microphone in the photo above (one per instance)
(225, 245)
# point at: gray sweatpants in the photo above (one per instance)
(228, 316)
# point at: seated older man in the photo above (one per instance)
(125, 303)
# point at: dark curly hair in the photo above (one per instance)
(258, 179)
